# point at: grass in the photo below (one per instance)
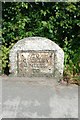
(72, 79)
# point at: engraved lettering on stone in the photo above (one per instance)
(40, 60)
(35, 62)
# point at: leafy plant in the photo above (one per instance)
(57, 21)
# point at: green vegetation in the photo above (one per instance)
(56, 21)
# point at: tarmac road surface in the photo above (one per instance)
(38, 98)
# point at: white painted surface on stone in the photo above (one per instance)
(37, 43)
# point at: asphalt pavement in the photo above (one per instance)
(37, 98)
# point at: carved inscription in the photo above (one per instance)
(40, 60)
(36, 62)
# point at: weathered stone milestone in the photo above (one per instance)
(36, 56)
